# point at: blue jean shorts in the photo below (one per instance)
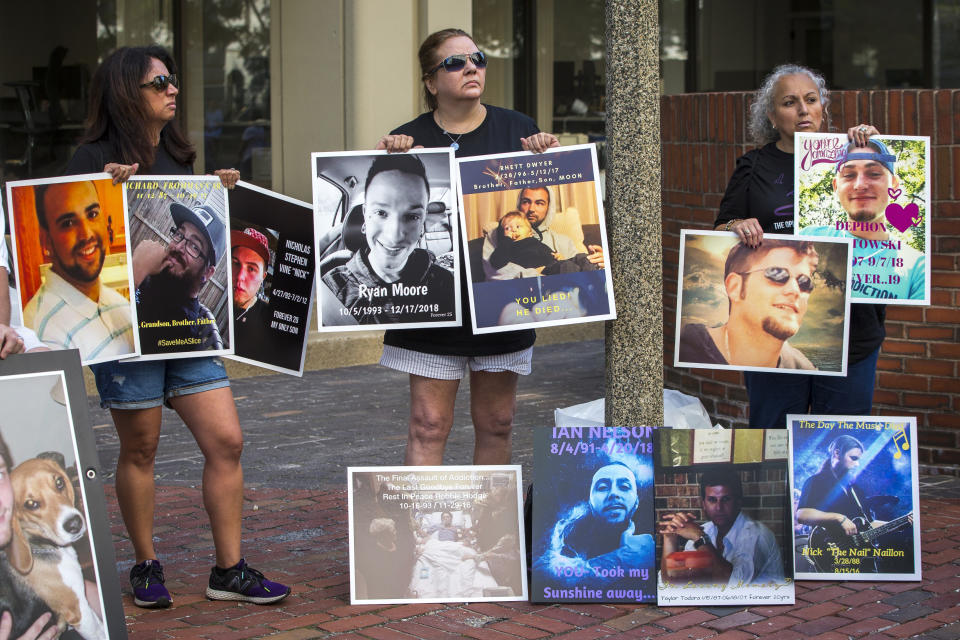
(150, 383)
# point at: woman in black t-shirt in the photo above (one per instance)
(758, 200)
(133, 130)
(454, 71)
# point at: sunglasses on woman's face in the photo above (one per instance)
(781, 276)
(459, 61)
(160, 83)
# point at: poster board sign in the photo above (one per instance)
(69, 243)
(62, 549)
(857, 501)
(386, 229)
(535, 237)
(180, 265)
(723, 529)
(783, 307)
(271, 251)
(592, 515)
(879, 197)
(436, 534)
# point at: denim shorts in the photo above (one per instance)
(443, 367)
(150, 383)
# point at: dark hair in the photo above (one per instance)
(446, 513)
(428, 58)
(741, 257)
(721, 477)
(5, 453)
(39, 192)
(541, 188)
(118, 113)
(403, 162)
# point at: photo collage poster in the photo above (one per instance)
(69, 240)
(877, 196)
(534, 239)
(180, 264)
(386, 234)
(856, 497)
(60, 549)
(272, 266)
(436, 534)
(781, 307)
(593, 496)
(723, 517)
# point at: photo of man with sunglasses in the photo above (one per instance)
(169, 279)
(768, 291)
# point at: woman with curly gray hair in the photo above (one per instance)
(758, 200)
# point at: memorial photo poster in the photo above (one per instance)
(436, 534)
(54, 532)
(271, 257)
(593, 515)
(535, 239)
(180, 265)
(723, 526)
(856, 497)
(386, 248)
(879, 197)
(69, 242)
(784, 306)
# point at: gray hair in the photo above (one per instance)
(759, 128)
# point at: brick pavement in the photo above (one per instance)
(298, 535)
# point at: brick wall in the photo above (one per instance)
(703, 134)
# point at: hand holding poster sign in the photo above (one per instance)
(70, 250)
(782, 306)
(854, 481)
(178, 227)
(877, 195)
(271, 254)
(533, 229)
(385, 251)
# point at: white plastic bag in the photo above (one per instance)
(681, 411)
(588, 414)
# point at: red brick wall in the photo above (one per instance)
(703, 134)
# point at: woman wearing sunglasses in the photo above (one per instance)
(758, 200)
(454, 72)
(132, 129)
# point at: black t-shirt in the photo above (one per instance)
(93, 156)
(825, 493)
(761, 187)
(500, 132)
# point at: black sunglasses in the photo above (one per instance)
(781, 276)
(459, 61)
(160, 83)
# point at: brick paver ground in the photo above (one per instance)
(301, 434)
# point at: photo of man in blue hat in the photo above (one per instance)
(169, 279)
(885, 266)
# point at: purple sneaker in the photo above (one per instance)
(146, 579)
(242, 582)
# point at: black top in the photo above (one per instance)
(696, 345)
(761, 187)
(529, 253)
(93, 156)
(500, 132)
(824, 492)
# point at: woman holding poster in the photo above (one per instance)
(133, 104)
(758, 200)
(454, 72)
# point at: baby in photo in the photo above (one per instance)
(516, 243)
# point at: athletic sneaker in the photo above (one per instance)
(244, 583)
(146, 579)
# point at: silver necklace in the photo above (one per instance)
(454, 142)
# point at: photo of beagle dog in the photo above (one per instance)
(46, 524)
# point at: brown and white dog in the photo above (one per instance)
(46, 523)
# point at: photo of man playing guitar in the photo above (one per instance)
(845, 535)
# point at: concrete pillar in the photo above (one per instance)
(634, 342)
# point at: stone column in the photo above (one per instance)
(634, 341)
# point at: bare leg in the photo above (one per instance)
(431, 418)
(139, 434)
(212, 418)
(493, 400)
